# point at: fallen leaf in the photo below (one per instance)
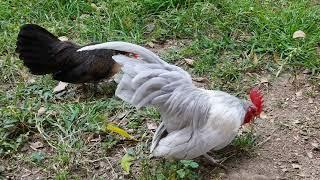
(307, 71)
(299, 93)
(179, 63)
(310, 101)
(126, 162)
(84, 16)
(296, 166)
(115, 129)
(2, 169)
(310, 155)
(41, 111)
(302, 175)
(276, 57)
(201, 79)
(26, 175)
(31, 80)
(263, 115)
(150, 44)
(52, 113)
(189, 61)
(96, 140)
(296, 121)
(152, 125)
(150, 27)
(36, 145)
(94, 6)
(122, 115)
(255, 58)
(63, 38)
(298, 34)
(315, 146)
(264, 80)
(60, 87)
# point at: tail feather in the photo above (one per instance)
(147, 55)
(36, 47)
(143, 82)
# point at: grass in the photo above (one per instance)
(231, 43)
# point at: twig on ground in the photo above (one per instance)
(267, 139)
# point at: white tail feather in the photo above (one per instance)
(146, 54)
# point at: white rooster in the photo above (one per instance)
(193, 120)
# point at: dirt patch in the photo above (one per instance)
(289, 134)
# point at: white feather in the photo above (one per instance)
(194, 120)
(146, 54)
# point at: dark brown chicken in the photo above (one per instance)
(43, 53)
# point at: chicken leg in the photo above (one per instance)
(215, 162)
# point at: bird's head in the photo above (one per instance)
(255, 107)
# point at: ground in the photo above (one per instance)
(289, 132)
(224, 45)
(287, 146)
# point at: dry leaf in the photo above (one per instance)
(315, 146)
(152, 125)
(255, 58)
(41, 111)
(310, 155)
(299, 93)
(115, 129)
(94, 6)
(26, 175)
(201, 79)
(263, 115)
(150, 27)
(296, 166)
(60, 87)
(150, 44)
(63, 38)
(31, 80)
(310, 101)
(296, 121)
(302, 175)
(298, 34)
(36, 145)
(98, 139)
(84, 16)
(276, 58)
(122, 115)
(189, 61)
(307, 71)
(264, 80)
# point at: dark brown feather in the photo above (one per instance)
(43, 53)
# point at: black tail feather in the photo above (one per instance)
(35, 47)
(43, 53)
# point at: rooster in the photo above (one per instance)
(43, 53)
(193, 120)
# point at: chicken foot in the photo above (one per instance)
(215, 162)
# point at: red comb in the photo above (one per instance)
(257, 99)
